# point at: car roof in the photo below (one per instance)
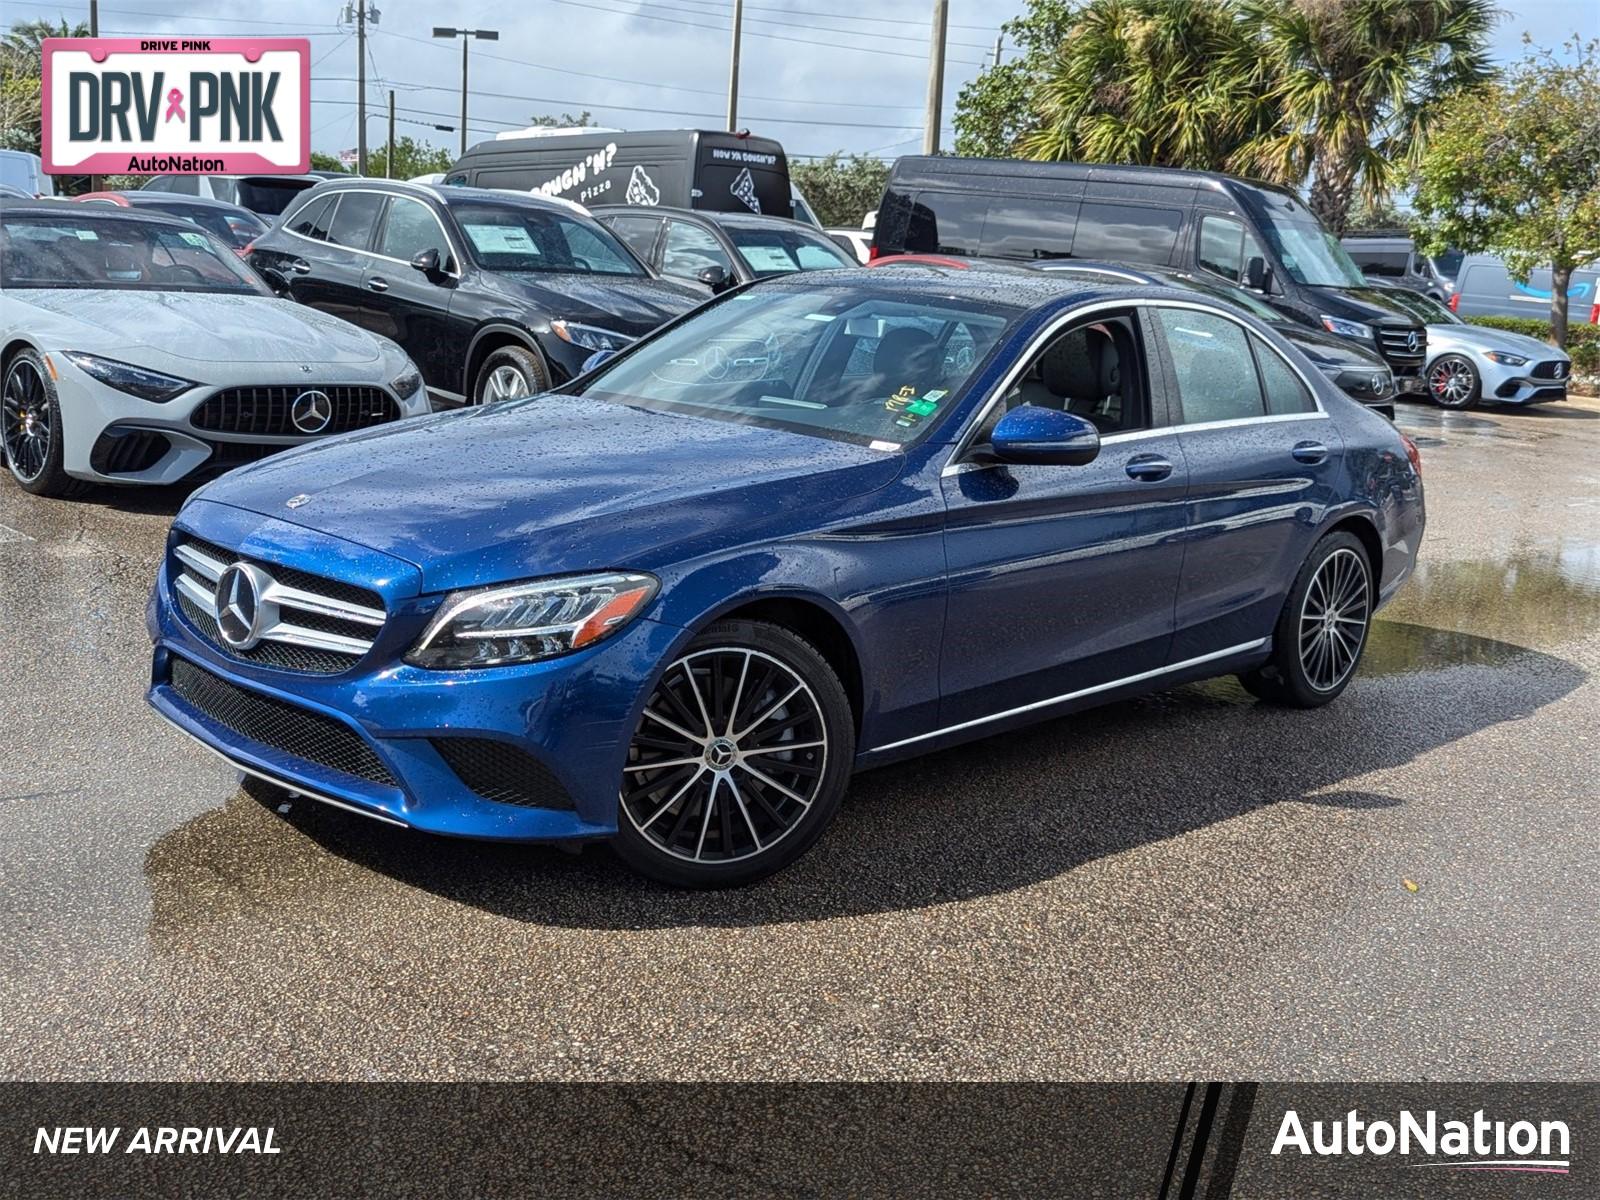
(713, 216)
(449, 194)
(158, 199)
(90, 212)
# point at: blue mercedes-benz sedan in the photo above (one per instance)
(819, 524)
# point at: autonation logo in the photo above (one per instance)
(1476, 1145)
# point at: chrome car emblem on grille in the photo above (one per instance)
(1379, 384)
(1413, 343)
(239, 608)
(1561, 369)
(297, 501)
(311, 411)
(305, 369)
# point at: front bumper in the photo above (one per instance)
(573, 716)
(113, 437)
(1519, 385)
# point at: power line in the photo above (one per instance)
(811, 24)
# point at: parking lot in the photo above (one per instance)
(1186, 885)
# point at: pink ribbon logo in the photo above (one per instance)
(175, 105)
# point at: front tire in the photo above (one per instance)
(31, 433)
(1453, 382)
(509, 373)
(1322, 630)
(739, 762)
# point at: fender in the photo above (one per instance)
(495, 328)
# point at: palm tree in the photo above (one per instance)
(26, 37)
(20, 66)
(1359, 84)
(1154, 82)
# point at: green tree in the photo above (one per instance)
(21, 63)
(1360, 83)
(841, 190)
(325, 162)
(1179, 83)
(994, 110)
(411, 158)
(565, 121)
(1514, 169)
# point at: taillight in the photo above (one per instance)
(1413, 454)
(873, 253)
(1594, 313)
(1455, 302)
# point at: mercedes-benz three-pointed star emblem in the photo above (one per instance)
(240, 607)
(311, 411)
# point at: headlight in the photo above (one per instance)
(1349, 329)
(406, 383)
(1504, 359)
(493, 627)
(136, 381)
(590, 337)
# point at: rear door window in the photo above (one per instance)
(1214, 369)
(1285, 391)
(1023, 227)
(946, 223)
(355, 218)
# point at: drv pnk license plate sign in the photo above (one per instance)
(180, 106)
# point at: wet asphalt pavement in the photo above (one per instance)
(1189, 885)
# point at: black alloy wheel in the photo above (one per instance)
(30, 429)
(739, 760)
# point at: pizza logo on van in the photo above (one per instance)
(744, 188)
(642, 189)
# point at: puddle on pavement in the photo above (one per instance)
(1483, 610)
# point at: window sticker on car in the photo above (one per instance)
(194, 239)
(936, 395)
(87, 235)
(819, 316)
(500, 239)
(898, 401)
(768, 258)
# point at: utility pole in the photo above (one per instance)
(998, 38)
(484, 35)
(930, 133)
(733, 69)
(388, 159)
(94, 31)
(361, 87)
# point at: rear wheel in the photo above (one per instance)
(739, 761)
(30, 429)
(1323, 628)
(509, 373)
(1453, 382)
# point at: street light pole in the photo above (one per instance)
(733, 69)
(361, 87)
(485, 35)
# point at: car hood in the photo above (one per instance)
(1480, 337)
(1368, 304)
(1330, 349)
(556, 484)
(632, 306)
(203, 326)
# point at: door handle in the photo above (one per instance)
(1309, 452)
(1150, 468)
(377, 285)
(299, 266)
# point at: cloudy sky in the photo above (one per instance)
(815, 75)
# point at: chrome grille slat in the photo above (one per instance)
(301, 629)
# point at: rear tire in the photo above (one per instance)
(732, 803)
(1317, 644)
(31, 433)
(1453, 382)
(508, 373)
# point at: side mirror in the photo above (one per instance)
(594, 360)
(714, 277)
(1257, 276)
(1044, 437)
(427, 261)
(275, 280)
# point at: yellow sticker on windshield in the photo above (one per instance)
(901, 398)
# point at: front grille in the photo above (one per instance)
(312, 625)
(266, 410)
(1553, 369)
(499, 771)
(284, 727)
(1394, 343)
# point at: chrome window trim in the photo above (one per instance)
(1242, 648)
(954, 465)
(338, 193)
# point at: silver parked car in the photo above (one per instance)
(1468, 363)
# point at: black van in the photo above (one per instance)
(1253, 234)
(681, 168)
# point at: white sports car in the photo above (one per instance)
(135, 348)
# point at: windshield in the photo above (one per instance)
(1311, 255)
(513, 238)
(782, 251)
(124, 254)
(855, 363)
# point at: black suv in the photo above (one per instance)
(719, 250)
(492, 294)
